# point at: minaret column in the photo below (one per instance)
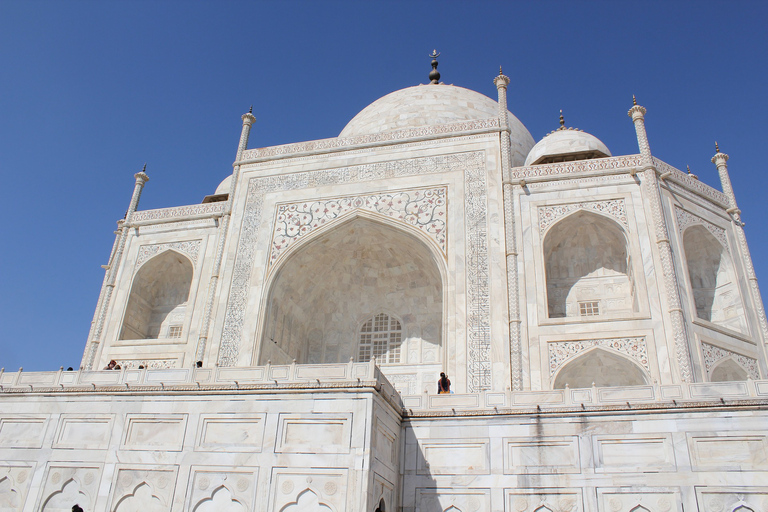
(513, 303)
(652, 193)
(721, 162)
(248, 120)
(105, 295)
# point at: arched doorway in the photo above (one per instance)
(358, 285)
(588, 268)
(158, 300)
(713, 280)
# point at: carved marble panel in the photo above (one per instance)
(178, 213)
(222, 489)
(544, 500)
(67, 484)
(461, 457)
(15, 479)
(425, 209)
(639, 499)
(136, 488)
(620, 453)
(713, 355)
(190, 248)
(542, 455)
(686, 218)
(300, 489)
(560, 352)
(731, 499)
(732, 451)
(314, 433)
(615, 208)
(453, 500)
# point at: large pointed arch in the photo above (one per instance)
(713, 280)
(157, 303)
(604, 368)
(588, 267)
(329, 284)
(727, 370)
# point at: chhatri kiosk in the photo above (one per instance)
(279, 344)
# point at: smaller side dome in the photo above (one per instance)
(566, 145)
(222, 191)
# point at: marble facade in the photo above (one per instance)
(279, 344)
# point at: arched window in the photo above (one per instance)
(588, 268)
(157, 303)
(713, 279)
(602, 367)
(380, 337)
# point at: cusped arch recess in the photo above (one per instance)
(354, 237)
(612, 285)
(626, 372)
(728, 369)
(141, 314)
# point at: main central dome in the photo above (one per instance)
(430, 105)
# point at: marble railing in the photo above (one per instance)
(268, 377)
(178, 213)
(352, 375)
(643, 397)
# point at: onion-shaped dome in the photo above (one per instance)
(565, 145)
(434, 104)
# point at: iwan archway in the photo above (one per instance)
(362, 287)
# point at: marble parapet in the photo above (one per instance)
(317, 377)
(178, 214)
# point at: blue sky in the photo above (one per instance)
(90, 91)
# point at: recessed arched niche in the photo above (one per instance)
(588, 268)
(360, 288)
(601, 367)
(727, 370)
(158, 299)
(713, 280)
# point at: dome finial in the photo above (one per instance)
(634, 100)
(690, 173)
(144, 170)
(434, 75)
(562, 120)
(500, 71)
(717, 148)
(250, 110)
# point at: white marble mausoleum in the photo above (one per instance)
(279, 344)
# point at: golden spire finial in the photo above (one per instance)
(500, 71)
(717, 148)
(562, 120)
(634, 100)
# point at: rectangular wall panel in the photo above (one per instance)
(22, 432)
(544, 455)
(744, 451)
(234, 433)
(468, 456)
(87, 432)
(314, 433)
(649, 453)
(154, 432)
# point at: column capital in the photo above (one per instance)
(141, 177)
(719, 159)
(636, 112)
(501, 81)
(248, 118)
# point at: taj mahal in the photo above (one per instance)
(277, 347)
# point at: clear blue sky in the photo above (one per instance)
(89, 91)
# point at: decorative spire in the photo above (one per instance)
(562, 120)
(690, 173)
(634, 100)
(434, 75)
(144, 170)
(717, 148)
(500, 71)
(250, 110)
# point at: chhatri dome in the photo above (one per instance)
(566, 145)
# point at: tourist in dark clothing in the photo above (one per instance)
(443, 384)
